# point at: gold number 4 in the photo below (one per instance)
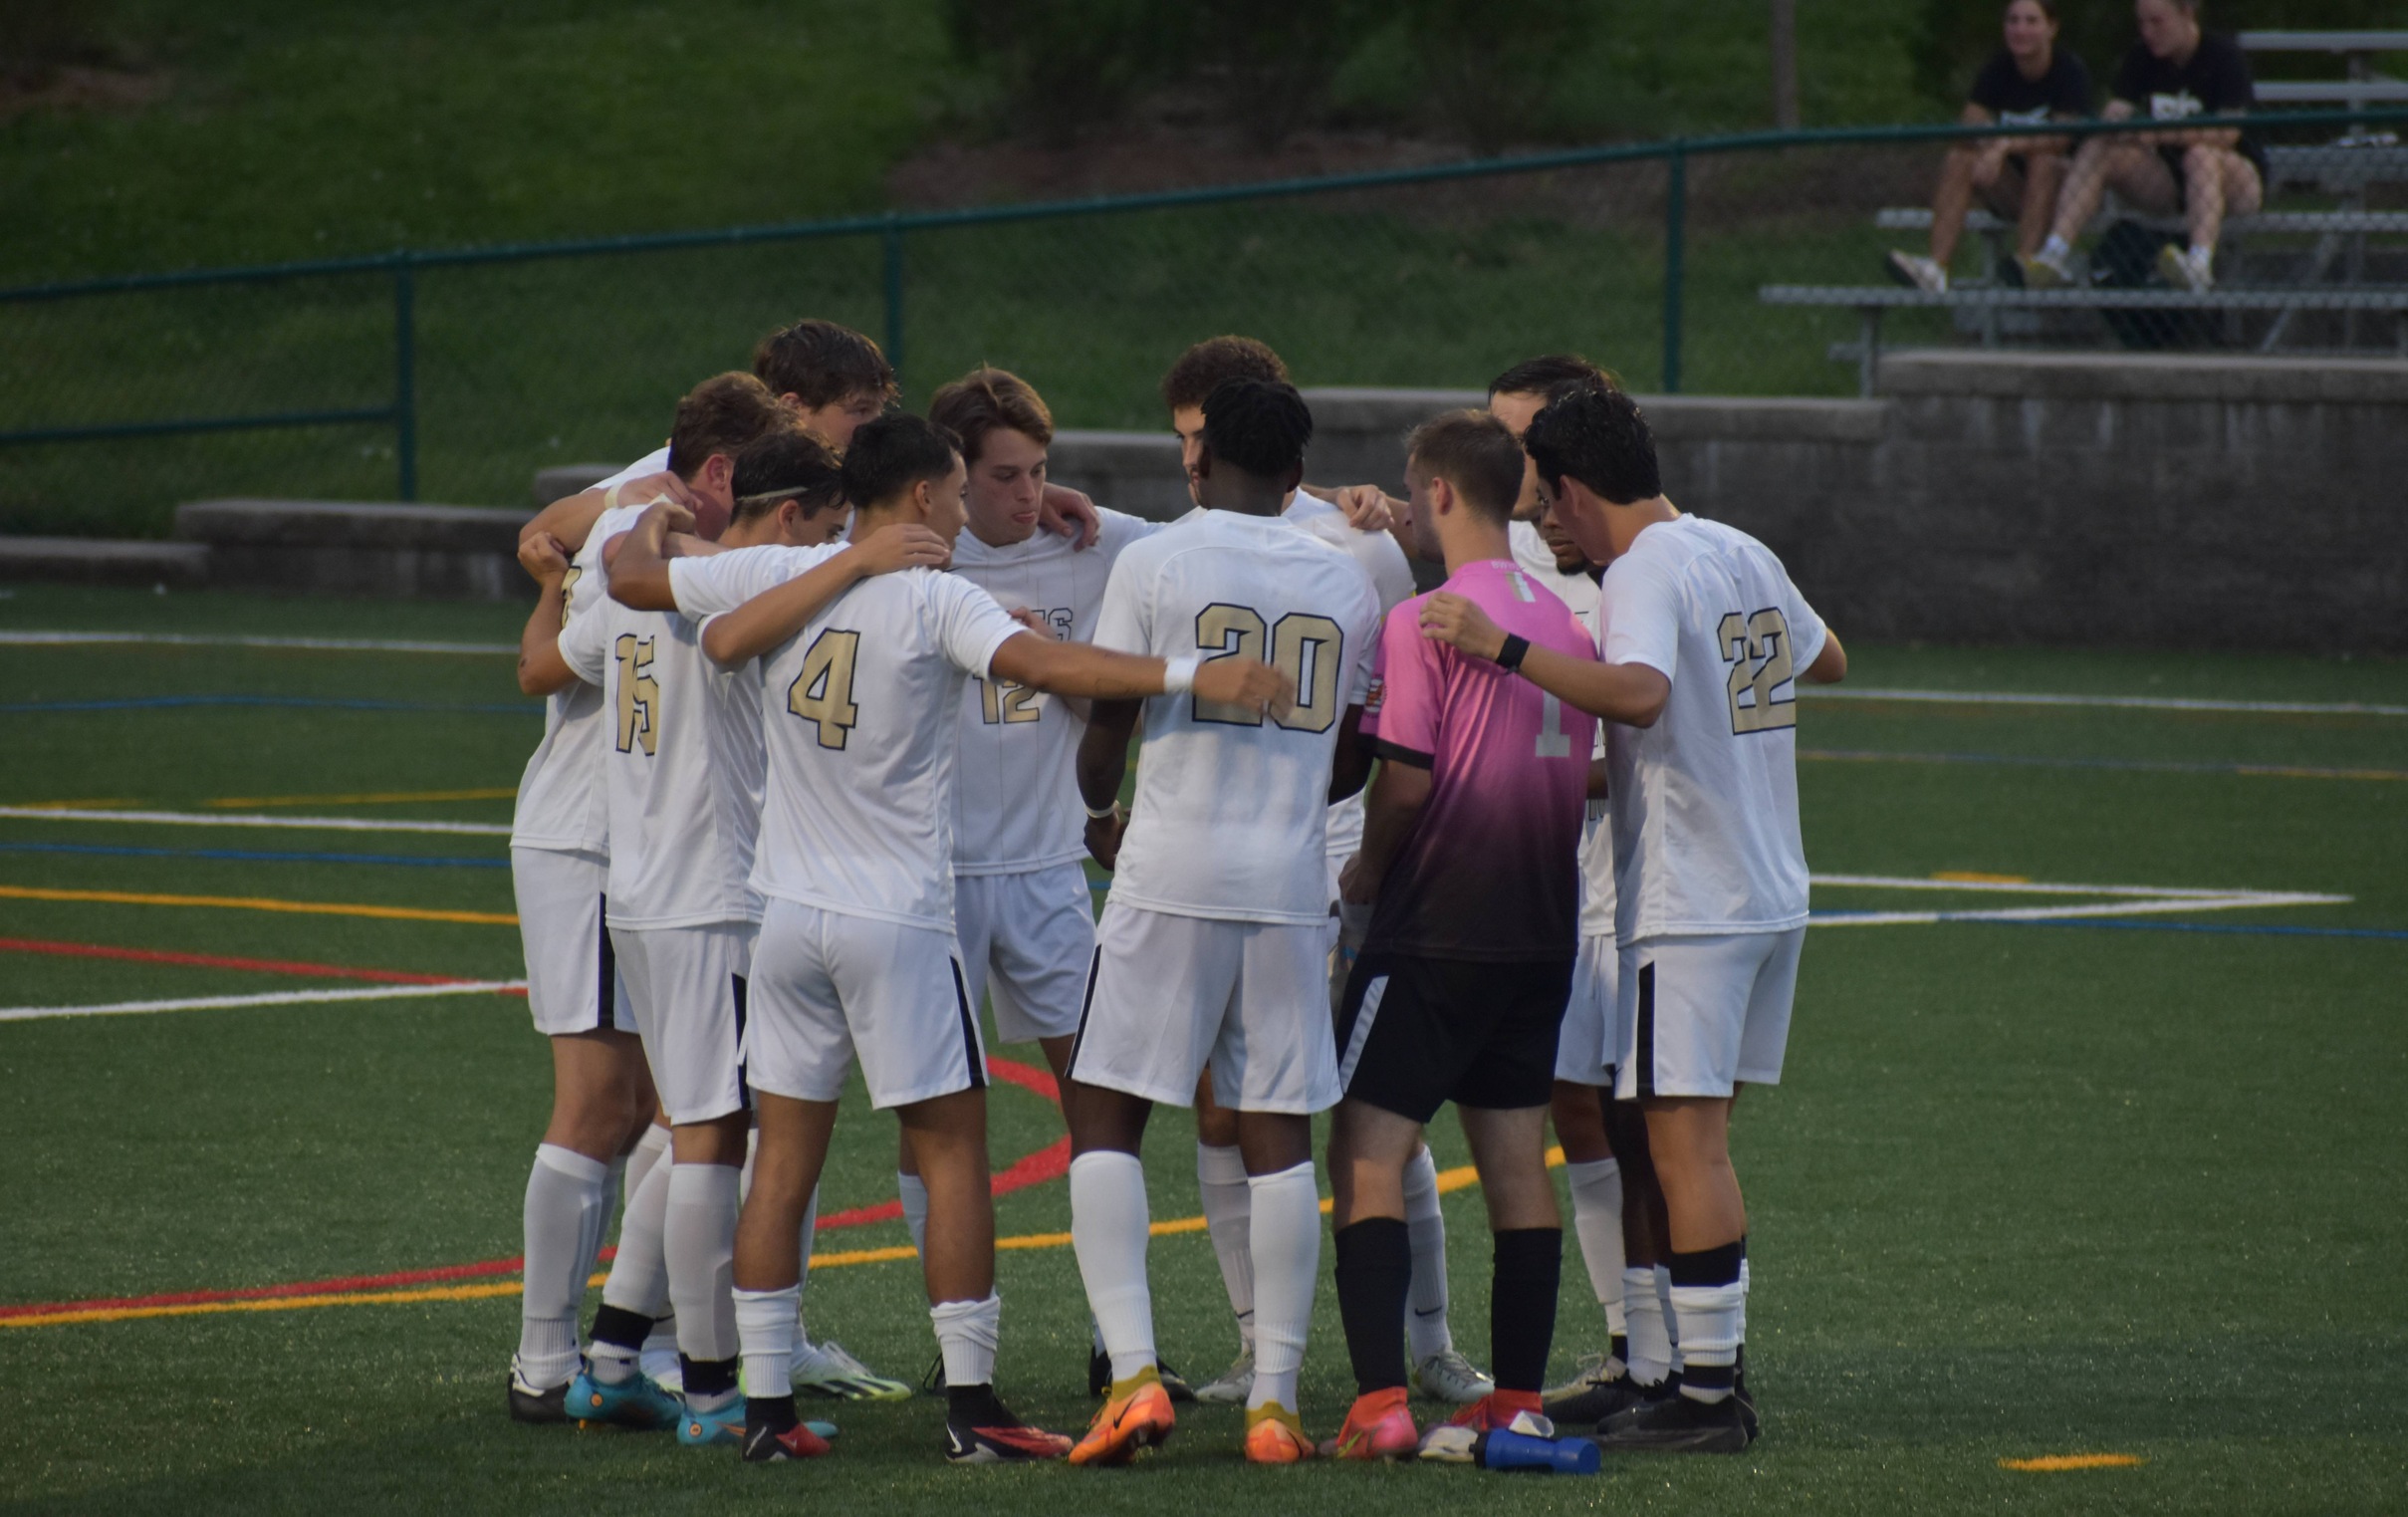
(637, 694)
(823, 692)
(1762, 642)
(1306, 648)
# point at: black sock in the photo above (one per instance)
(1375, 1284)
(621, 1328)
(1618, 1347)
(708, 1377)
(976, 1406)
(1522, 1305)
(775, 1412)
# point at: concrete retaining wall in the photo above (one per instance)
(340, 547)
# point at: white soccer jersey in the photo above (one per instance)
(1392, 581)
(680, 762)
(1597, 843)
(1531, 553)
(860, 712)
(1231, 806)
(1016, 800)
(560, 806)
(1705, 802)
(653, 463)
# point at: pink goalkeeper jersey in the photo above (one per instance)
(1492, 868)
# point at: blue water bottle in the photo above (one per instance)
(1502, 1449)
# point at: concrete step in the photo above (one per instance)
(102, 561)
(375, 549)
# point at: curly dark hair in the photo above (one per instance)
(1258, 425)
(1201, 369)
(820, 363)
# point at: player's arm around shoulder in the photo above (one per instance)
(1630, 692)
(541, 670)
(761, 623)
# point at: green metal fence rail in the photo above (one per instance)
(894, 230)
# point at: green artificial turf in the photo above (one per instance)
(2025, 1190)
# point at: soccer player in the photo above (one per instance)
(1467, 862)
(681, 779)
(1703, 639)
(859, 957)
(1357, 519)
(1515, 397)
(1213, 947)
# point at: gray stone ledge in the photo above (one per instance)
(562, 480)
(102, 561)
(332, 524)
(2145, 377)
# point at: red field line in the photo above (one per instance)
(1047, 1163)
(221, 961)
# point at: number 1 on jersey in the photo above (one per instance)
(823, 692)
(1553, 741)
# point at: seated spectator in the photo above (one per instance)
(2028, 82)
(2174, 72)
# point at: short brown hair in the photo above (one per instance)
(720, 415)
(1201, 369)
(986, 398)
(1550, 375)
(1471, 450)
(792, 463)
(820, 363)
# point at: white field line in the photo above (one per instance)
(2036, 887)
(271, 998)
(2117, 702)
(311, 645)
(209, 818)
(2231, 903)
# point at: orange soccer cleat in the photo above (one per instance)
(1497, 1410)
(1378, 1426)
(1136, 1415)
(1275, 1436)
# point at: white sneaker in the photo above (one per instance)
(1917, 272)
(826, 1370)
(1449, 1377)
(2044, 271)
(1594, 1369)
(1234, 1385)
(2185, 270)
(665, 1369)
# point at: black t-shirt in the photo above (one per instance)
(2213, 83)
(2002, 89)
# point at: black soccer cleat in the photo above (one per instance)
(981, 1429)
(1678, 1425)
(1100, 1377)
(1599, 1399)
(1746, 1399)
(528, 1404)
(1644, 1396)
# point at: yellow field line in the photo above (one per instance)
(1449, 1180)
(101, 805)
(260, 903)
(2050, 1463)
(375, 797)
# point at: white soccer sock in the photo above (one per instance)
(567, 1200)
(1709, 1318)
(649, 1149)
(1672, 1322)
(698, 1237)
(640, 1276)
(1650, 1345)
(1287, 1246)
(2202, 254)
(1108, 1233)
(914, 1195)
(1426, 1330)
(1228, 1213)
(966, 1333)
(1596, 1219)
(810, 1234)
(765, 1329)
(650, 1152)
(2055, 248)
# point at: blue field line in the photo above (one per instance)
(2216, 929)
(305, 702)
(256, 856)
(2145, 766)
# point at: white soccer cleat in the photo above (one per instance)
(1449, 1377)
(1594, 1369)
(2185, 270)
(1234, 1386)
(826, 1370)
(1917, 272)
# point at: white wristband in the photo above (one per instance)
(1179, 674)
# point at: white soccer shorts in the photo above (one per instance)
(1591, 1039)
(1027, 941)
(689, 988)
(828, 988)
(1701, 1015)
(1173, 994)
(572, 984)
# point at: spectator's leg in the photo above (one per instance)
(1949, 203)
(2043, 177)
(2218, 180)
(2085, 184)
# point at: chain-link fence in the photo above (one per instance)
(1749, 265)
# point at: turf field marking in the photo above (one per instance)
(2015, 885)
(221, 961)
(269, 998)
(261, 903)
(371, 798)
(2112, 702)
(2231, 929)
(307, 823)
(76, 804)
(255, 856)
(2052, 1463)
(308, 644)
(2136, 766)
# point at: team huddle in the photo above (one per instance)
(842, 699)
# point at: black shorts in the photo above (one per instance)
(1416, 1033)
